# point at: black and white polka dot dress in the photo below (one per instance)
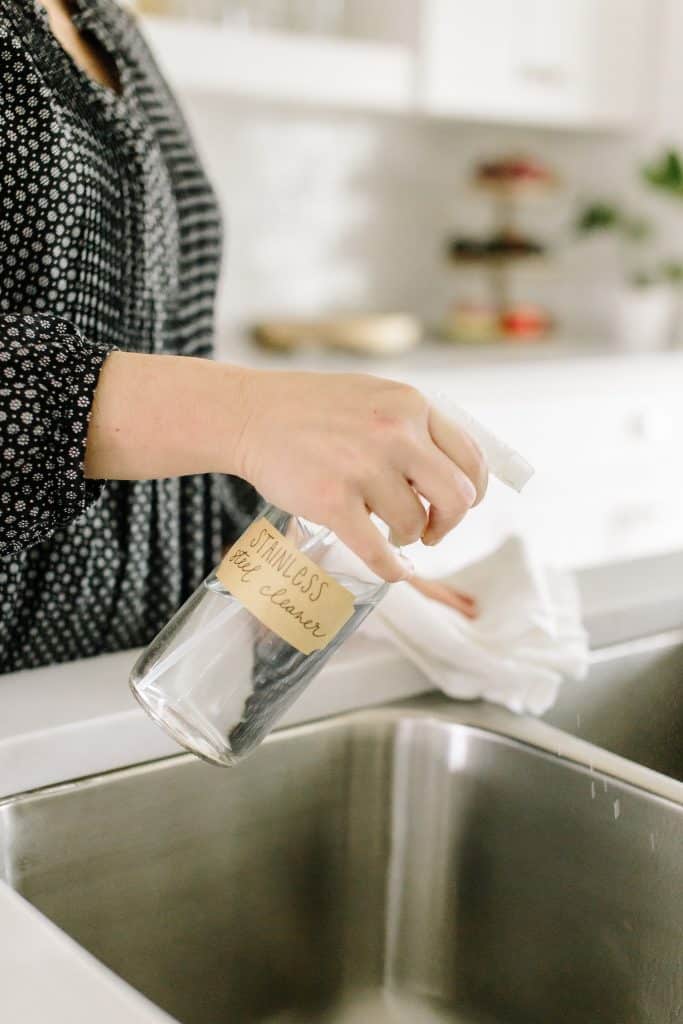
(109, 238)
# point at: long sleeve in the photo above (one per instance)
(48, 376)
(109, 236)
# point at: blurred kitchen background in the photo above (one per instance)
(484, 196)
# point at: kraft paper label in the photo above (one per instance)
(285, 589)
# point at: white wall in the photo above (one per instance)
(331, 211)
(328, 211)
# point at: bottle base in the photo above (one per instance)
(178, 727)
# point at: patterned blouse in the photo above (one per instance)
(109, 238)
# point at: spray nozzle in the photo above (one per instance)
(503, 461)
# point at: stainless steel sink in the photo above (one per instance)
(438, 860)
(631, 703)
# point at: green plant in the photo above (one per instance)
(632, 231)
(673, 273)
(598, 216)
(603, 216)
(666, 173)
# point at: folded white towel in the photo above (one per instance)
(527, 638)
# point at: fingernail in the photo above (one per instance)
(469, 492)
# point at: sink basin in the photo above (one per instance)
(432, 868)
(631, 703)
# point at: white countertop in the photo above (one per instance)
(67, 721)
(434, 356)
(47, 977)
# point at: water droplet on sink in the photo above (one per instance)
(604, 782)
(592, 791)
(617, 809)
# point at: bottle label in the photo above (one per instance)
(284, 589)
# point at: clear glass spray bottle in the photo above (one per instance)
(255, 633)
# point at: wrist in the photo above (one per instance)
(230, 411)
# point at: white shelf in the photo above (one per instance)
(198, 57)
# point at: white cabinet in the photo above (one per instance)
(571, 62)
(580, 63)
(356, 74)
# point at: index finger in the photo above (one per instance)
(461, 449)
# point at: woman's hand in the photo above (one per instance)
(329, 447)
(334, 447)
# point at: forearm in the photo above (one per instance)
(329, 447)
(163, 416)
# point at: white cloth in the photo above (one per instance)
(527, 638)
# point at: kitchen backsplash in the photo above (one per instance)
(329, 212)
